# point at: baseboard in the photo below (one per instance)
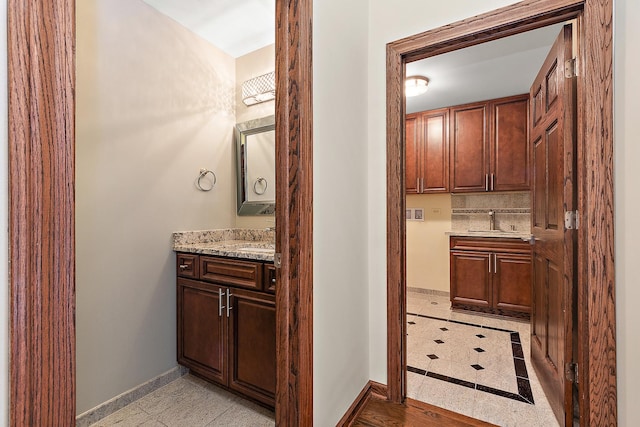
(109, 407)
(428, 291)
(370, 389)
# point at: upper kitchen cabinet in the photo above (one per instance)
(509, 166)
(427, 152)
(490, 146)
(470, 147)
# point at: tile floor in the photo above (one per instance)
(473, 364)
(189, 402)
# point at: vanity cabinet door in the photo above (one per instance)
(202, 332)
(252, 345)
(470, 278)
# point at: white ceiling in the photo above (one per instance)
(499, 68)
(235, 26)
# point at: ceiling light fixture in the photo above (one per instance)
(259, 89)
(415, 85)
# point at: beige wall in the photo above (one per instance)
(253, 64)
(627, 206)
(155, 103)
(340, 144)
(414, 16)
(427, 243)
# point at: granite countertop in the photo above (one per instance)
(254, 244)
(491, 233)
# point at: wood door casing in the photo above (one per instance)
(469, 148)
(596, 266)
(510, 151)
(202, 331)
(553, 139)
(252, 345)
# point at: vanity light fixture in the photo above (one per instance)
(415, 85)
(259, 89)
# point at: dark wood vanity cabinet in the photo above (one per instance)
(226, 333)
(491, 275)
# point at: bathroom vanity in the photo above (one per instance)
(226, 317)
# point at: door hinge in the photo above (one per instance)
(277, 260)
(571, 372)
(571, 220)
(570, 70)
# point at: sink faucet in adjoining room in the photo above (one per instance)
(492, 220)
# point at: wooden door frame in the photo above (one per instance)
(41, 79)
(596, 282)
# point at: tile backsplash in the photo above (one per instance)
(471, 211)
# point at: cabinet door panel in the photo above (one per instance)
(512, 282)
(470, 278)
(412, 154)
(510, 144)
(201, 331)
(252, 346)
(469, 145)
(435, 166)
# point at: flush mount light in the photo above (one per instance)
(415, 85)
(259, 89)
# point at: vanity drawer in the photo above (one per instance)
(270, 278)
(187, 266)
(245, 274)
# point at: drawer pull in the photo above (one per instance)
(184, 266)
(273, 280)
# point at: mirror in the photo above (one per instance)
(256, 166)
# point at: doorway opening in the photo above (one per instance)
(468, 229)
(41, 75)
(593, 293)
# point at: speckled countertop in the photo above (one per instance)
(491, 233)
(256, 244)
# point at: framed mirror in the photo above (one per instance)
(256, 166)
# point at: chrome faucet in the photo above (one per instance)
(492, 220)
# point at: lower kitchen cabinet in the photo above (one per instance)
(227, 334)
(491, 275)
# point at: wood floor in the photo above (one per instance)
(380, 412)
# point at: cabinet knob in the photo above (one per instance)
(273, 280)
(183, 266)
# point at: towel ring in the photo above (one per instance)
(260, 181)
(203, 173)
